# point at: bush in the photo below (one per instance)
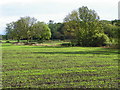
(100, 40)
(7, 41)
(65, 44)
(40, 41)
(69, 44)
(30, 43)
(114, 43)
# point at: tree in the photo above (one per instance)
(21, 28)
(112, 30)
(56, 30)
(27, 28)
(9, 29)
(41, 30)
(26, 25)
(84, 27)
(12, 31)
(116, 22)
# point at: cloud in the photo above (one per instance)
(57, 1)
(34, 1)
(44, 10)
(4, 21)
(28, 9)
(40, 17)
(19, 1)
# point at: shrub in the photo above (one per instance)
(100, 40)
(7, 41)
(40, 41)
(66, 44)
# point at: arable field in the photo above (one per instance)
(25, 66)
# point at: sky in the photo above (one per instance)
(56, 10)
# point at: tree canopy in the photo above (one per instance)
(27, 28)
(57, 30)
(84, 27)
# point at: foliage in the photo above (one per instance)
(116, 22)
(100, 39)
(10, 31)
(57, 30)
(4, 37)
(41, 30)
(7, 41)
(27, 28)
(112, 29)
(83, 25)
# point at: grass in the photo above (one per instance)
(59, 67)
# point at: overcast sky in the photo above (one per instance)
(45, 10)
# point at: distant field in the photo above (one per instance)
(59, 67)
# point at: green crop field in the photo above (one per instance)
(25, 66)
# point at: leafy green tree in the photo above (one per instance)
(112, 30)
(53, 28)
(9, 29)
(27, 28)
(4, 37)
(84, 27)
(21, 28)
(117, 30)
(41, 30)
(56, 30)
(116, 22)
(12, 31)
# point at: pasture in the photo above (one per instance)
(25, 66)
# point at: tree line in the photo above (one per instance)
(27, 28)
(82, 27)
